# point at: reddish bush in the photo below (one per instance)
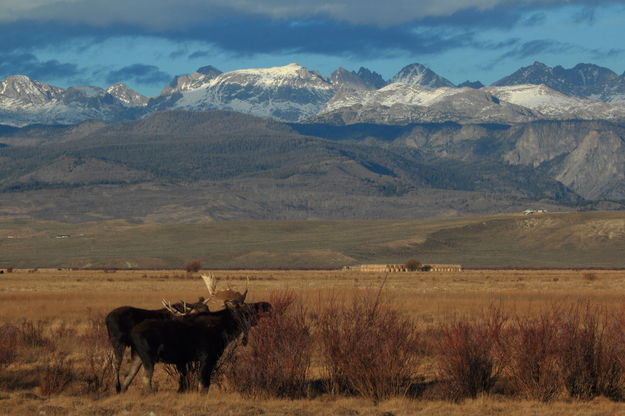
(8, 344)
(97, 373)
(470, 355)
(276, 361)
(532, 345)
(591, 352)
(368, 348)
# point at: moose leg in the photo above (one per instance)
(206, 370)
(134, 369)
(183, 370)
(148, 371)
(116, 361)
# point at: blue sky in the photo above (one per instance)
(144, 43)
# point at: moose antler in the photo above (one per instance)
(174, 308)
(227, 295)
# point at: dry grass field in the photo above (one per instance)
(65, 303)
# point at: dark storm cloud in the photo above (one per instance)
(248, 36)
(140, 74)
(282, 26)
(251, 35)
(175, 13)
(28, 64)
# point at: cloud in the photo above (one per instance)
(28, 64)
(585, 15)
(246, 36)
(540, 46)
(535, 19)
(353, 28)
(199, 54)
(140, 74)
(168, 14)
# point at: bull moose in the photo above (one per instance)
(120, 321)
(201, 337)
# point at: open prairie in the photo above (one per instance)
(556, 240)
(65, 303)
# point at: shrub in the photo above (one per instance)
(8, 344)
(31, 334)
(97, 373)
(591, 354)
(368, 348)
(278, 356)
(413, 265)
(193, 266)
(589, 276)
(55, 375)
(470, 355)
(533, 351)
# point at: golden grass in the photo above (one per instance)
(65, 296)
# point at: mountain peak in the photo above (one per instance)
(127, 95)
(208, 70)
(417, 74)
(21, 90)
(361, 79)
(471, 84)
(583, 80)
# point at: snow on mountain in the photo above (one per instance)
(553, 104)
(127, 96)
(289, 92)
(392, 94)
(24, 101)
(20, 91)
(404, 103)
(584, 81)
(294, 93)
(191, 81)
(417, 74)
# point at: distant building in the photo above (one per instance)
(394, 268)
(442, 267)
(531, 211)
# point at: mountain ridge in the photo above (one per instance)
(295, 93)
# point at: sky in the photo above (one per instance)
(145, 43)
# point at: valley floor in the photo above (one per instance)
(66, 299)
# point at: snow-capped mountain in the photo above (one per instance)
(555, 105)
(417, 74)
(24, 101)
(127, 96)
(192, 81)
(295, 93)
(289, 92)
(583, 80)
(364, 78)
(404, 103)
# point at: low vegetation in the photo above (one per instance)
(364, 344)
